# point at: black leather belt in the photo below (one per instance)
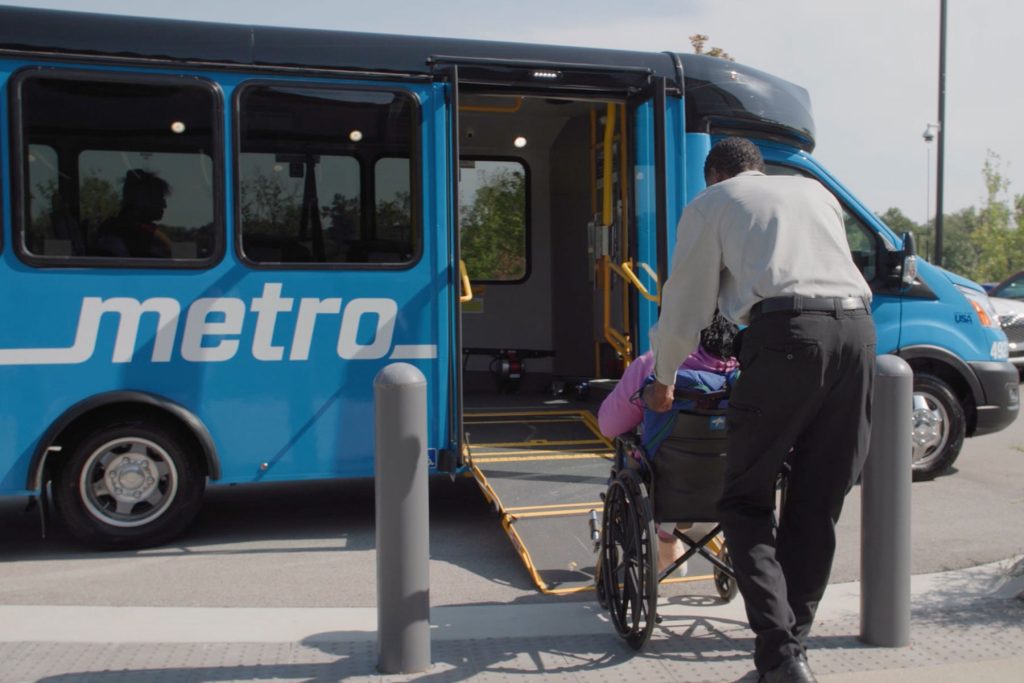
(796, 304)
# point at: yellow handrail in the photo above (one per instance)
(467, 288)
(620, 342)
(626, 271)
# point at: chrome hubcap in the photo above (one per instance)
(128, 482)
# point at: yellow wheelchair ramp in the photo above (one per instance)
(544, 472)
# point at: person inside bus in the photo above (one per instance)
(623, 409)
(133, 232)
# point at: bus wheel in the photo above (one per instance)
(129, 486)
(939, 427)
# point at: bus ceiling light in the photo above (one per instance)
(178, 127)
(519, 142)
(546, 75)
(355, 136)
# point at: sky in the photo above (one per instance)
(871, 67)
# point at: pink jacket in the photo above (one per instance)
(619, 414)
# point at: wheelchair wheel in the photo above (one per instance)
(627, 571)
(725, 584)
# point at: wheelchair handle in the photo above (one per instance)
(697, 395)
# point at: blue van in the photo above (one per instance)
(323, 203)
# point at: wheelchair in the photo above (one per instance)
(673, 477)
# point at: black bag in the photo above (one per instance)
(689, 468)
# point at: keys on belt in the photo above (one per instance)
(796, 304)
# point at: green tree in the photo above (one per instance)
(98, 199)
(494, 228)
(959, 242)
(998, 240)
(699, 40)
(983, 243)
(394, 218)
(899, 223)
(268, 207)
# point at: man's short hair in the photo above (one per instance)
(733, 156)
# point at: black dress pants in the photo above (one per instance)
(803, 395)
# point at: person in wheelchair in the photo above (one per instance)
(712, 366)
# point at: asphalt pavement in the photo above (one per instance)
(277, 582)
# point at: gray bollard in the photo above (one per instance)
(885, 509)
(403, 531)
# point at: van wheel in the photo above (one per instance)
(939, 427)
(129, 486)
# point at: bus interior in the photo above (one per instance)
(549, 326)
(536, 222)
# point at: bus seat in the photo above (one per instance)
(273, 249)
(379, 251)
(65, 228)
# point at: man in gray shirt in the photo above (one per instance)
(770, 252)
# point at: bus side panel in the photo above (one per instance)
(8, 420)
(290, 417)
(646, 215)
(695, 147)
(676, 198)
(439, 235)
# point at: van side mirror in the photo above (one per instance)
(908, 260)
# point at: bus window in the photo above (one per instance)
(862, 245)
(324, 176)
(117, 168)
(49, 215)
(392, 212)
(492, 219)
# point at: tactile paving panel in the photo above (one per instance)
(686, 647)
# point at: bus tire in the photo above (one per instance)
(129, 486)
(939, 427)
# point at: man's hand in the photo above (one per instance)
(658, 396)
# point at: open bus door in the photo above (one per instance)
(454, 457)
(632, 258)
(583, 151)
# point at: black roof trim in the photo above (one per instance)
(723, 96)
(719, 94)
(62, 31)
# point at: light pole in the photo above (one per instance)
(941, 161)
(930, 130)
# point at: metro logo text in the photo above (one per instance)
(213, 327)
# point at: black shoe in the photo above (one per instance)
(792, 670)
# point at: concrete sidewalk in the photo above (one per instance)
(966, 625)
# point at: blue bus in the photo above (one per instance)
(214, 236)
